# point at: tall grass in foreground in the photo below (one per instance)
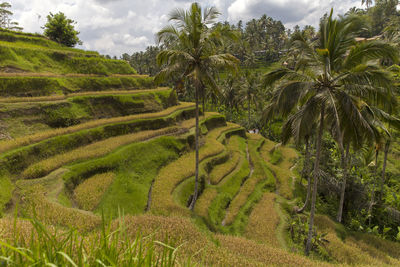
(107, 247)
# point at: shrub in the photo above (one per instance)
(61, 30)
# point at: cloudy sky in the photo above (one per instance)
(117, 26)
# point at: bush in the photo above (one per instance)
(61, 30)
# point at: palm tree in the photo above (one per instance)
(366, 2)
(249, 91)
(191, 54)
(334, 79)
(301, 130)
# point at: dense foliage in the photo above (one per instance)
(61, 29)
(348, 68)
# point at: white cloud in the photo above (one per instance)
(290, 12)
(118, 26)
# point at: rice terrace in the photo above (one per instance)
(222, 143)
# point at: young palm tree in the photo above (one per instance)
(334, 79)
(192, 54)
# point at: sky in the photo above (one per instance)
(115, 27)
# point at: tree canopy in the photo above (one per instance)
(61, 29)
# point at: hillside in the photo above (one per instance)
(84, 140)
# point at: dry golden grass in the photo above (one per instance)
(263, 221)
(281, 171)
(193, 243)
(222, 170)
(10, 227)
(89, 193)
(27, 140)
(266, 254)
(64, 97)
(204, 201)
(390, 248)
(176, 172)
(97, 149)
(356, 252)
(36, 203)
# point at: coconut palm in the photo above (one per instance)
(301, 131)
(191, 54)
(368, 3)
(334, 79)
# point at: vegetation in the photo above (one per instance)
(100, 167)
(5, 18)
(193, 55)
(61, 30)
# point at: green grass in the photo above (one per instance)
(262, 180)
(45, 86)
(276, 156)
(26, 118)
(183, 191)
(112, 246)
(17, 160)
(38, 59)
(82, 108)
(229, 187)
(135, 166)
(178, 171)
(7, 145)
(37, 40)
(7, 188)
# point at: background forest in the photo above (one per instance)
(262, 45)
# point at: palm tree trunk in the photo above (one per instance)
(204, 105)
(387, 146)
(316, 175)
(248, 108)
(343, 189)
(372, 202)
(305, 173)
(196, 183)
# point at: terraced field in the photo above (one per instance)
(77, 147)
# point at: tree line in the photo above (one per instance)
(332, 92)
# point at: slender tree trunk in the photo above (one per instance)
(387, 147)
(316, 175)
(343, 189)
(196, 183)
(204, 105)
(306, 173)
(248, 108)
(372, 203)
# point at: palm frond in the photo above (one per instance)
(370, 50)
